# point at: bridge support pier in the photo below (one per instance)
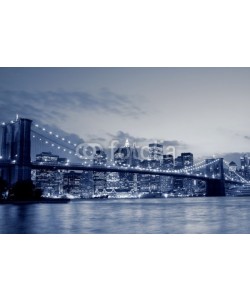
(16, 146)
(19, 173)
(215, 188)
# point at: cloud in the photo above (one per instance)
(53, 105)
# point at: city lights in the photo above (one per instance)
(125, 170)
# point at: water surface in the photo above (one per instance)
(158, 216)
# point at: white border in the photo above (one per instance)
(124, 33)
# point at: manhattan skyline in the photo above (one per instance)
(202, 110)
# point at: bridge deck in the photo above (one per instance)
(80, 167)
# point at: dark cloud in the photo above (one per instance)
(53, 105)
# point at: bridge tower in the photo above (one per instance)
(16, 148)
(216, 187)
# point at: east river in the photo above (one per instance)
(120, 216)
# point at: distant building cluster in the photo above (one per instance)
(88, 184)
(118, 184)
(181, 176)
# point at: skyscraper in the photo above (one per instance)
(100, 158)
(155, 151)
(187, 159)
(87, 184)
(126, 156)
(179, 163)
(245, 168)
(72, 182)
(99, 178)
(168, 162)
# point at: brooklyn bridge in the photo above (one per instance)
(19, 136)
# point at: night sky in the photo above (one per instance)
(202, 110)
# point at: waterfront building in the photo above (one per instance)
(113, 181)
(87, 184)
(72, 183)
(49, 181)
(99, 179)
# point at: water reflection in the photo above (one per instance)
(189, 215)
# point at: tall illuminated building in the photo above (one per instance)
(187, 159)
(178, 163)
(100, 158)
(245, 168)
(99, 177)
(72, 182)
(127, 156)
(184, 185)
(155, 151)
(167, 181)
(168, 162)
(87, 184)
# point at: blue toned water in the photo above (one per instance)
(187, 215)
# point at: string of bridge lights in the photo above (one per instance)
(198, 166)
(52, 134)
(57, 136)
(42, 128)
(52, 144)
